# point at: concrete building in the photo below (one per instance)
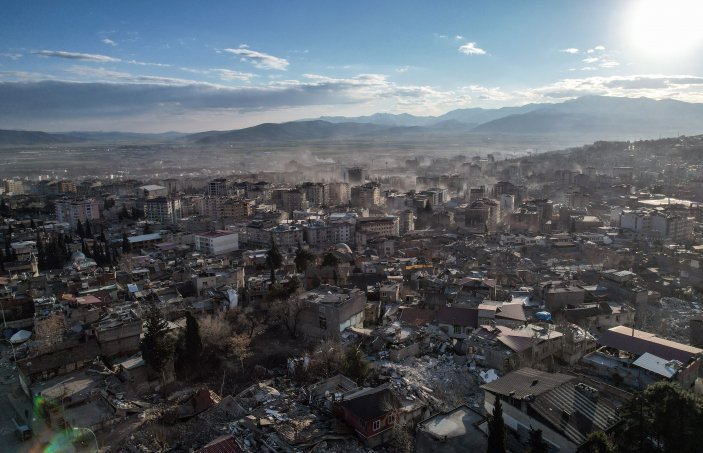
(151, 191)
(322, 235)
(71, 211)
(217, 187)
(315, 193)
(482, 216)
(339, 193)
(216, 242)
(14, 186)
(163, 210)
(366, 196)
(378, 226)
(289, 200)
(407, 221)
(326, 311)
(66, 186)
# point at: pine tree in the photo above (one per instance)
(79, 230)
(102, 237)
(496, 429)
(88, 230)
(274, 259)
(155, 347)
(32, 225)
(126, 246)
(191, 348)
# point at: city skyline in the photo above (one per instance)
(185, 67)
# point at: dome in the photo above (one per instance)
(77, 256)
(342, 247)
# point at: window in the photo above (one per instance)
(457, 329)
(323, 322)
(376, 425)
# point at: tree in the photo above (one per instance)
(156, 350)
(355, 364)
(663, 417)
(536, 443)
(288, 313)
(496, 429)
(274, 259)
(126, 246)
(79, 230)
(88, 230)
(239, 347)
(330, 259)
(598, 442)
(190, 348)
(147, 228)
(302, 260)
(32, 225)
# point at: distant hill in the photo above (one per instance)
(291, 131)
(12, 137)
(604, 117)
(470, 116)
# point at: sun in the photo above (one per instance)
(665, 28)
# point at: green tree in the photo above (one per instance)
(662, 418)
(330, 259)
(156, 350)
(536, 443)
(79, 230)
(88, 230)
(355, 365)
(189, 352)
(598, 442)
(302, 260)
(274, 259)
(126, 246)
(496, 429)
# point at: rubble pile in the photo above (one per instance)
(442, 382)
(671, 319)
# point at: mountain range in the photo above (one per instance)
(586, 118)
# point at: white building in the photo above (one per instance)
(216, 242)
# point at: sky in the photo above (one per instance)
(190, 66)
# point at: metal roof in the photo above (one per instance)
(662, 367)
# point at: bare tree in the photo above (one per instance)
(288, 312)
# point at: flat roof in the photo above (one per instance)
(215, 234)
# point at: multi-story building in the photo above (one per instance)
(217, 187)
(216, 242)
(482, 216)
(14, 186)
(71, 211)
(326, 311)
(366, 196)
(339, 193)
(315, 193)
(66, 186)
(378, 226)
(152, 191)
(407, 221)
(321, 235)
(163, 210)
(238, 209)
(289, 200)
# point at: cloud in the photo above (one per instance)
(108, 42)
(606, 64)
(590, 60)
(402, 69)
(76, 56)
(459, 37)
(596, 49)
(11, 56)
(571, 50)
(259, 59)
(231, 76)
(470, 49)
